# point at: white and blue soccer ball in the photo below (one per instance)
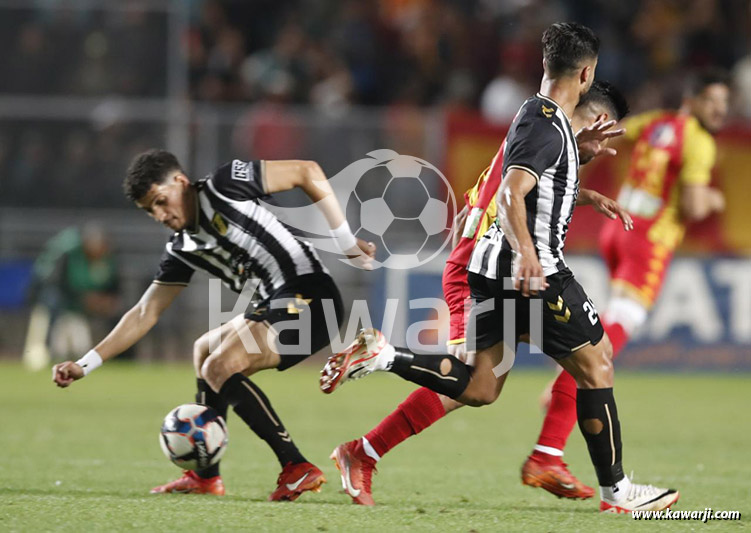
(193, 436)
(404, 205)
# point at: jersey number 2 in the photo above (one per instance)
(589, 308)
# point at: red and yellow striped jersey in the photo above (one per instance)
(480, 201)
(672, 149)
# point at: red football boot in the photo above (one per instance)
(356, 468)
(296, 479)
(553, 476)
(192, 483)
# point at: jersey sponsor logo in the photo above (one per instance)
(241, 170)
(663, 136)
(473, 220)
(293, 486)
(548, 111)
(219, 224)
(292, 307)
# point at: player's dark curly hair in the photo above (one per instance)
(702, 79)
(606, 94)
(147, 169)
(565, 45)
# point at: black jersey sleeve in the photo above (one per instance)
(172, 271)
(534, 142)
(239, 180)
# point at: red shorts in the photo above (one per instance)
(635, 262)
(456, 294)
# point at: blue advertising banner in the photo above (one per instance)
(702, 319)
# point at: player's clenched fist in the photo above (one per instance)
(63, 374)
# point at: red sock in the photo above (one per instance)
(420, 410)
(618, 336)
(561, 415)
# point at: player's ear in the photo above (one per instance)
(182, 179)
(603, 117)
(585, 74)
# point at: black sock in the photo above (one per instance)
(207, 396)
(251, 404)
(443, 374)
(598, 421)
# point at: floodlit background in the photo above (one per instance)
(85, 85)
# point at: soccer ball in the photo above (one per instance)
(193, 436)
(404, 205)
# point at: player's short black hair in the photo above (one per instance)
(147, 169)
(606, 94)
(702, 79)
(565, 45)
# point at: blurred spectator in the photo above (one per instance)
(278, 73)
(742, 82)
(506, 92)
(407, 56)
(75, 281)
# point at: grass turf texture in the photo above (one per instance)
(85, 458)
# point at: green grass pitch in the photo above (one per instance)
(83, 459)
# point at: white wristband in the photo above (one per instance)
(90, 361)
(343, 237)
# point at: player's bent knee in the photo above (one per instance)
(216, 369)
(478, 396)
(200, 353)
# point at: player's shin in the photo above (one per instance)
(419, 411)
(560, 417)
(206, 396)
(444, 374)
(252, 405)
(598, 421)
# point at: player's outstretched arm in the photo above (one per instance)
(513, 220)
(132, 327)
(697, 202)
(607, 206)
(308, 176)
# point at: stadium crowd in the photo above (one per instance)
(326, 55)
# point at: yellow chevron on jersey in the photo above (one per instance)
(478, 222)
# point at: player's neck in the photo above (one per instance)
(193, 203)
(563, 92)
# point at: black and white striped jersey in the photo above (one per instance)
(234, 238)
(541, 142)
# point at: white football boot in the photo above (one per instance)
(641, 498)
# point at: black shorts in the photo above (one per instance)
(305, 313)
(569, 320)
